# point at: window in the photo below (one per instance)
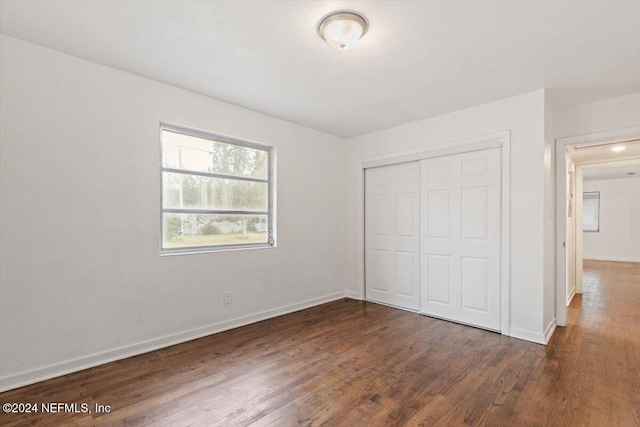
(216, 192)
(591, 211)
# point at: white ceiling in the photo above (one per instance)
(603, 152)
(612, 172)
(418, 60)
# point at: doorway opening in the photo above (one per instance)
(596, 175)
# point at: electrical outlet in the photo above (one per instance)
(226, 297)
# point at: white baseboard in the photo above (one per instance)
(21, 379)
(352, 295)
(611, 259)
(550, 329)
(536, 337)
(526, 335)
(572, 294)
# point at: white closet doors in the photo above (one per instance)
(460, 238)
(392, 235)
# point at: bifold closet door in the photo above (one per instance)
(460, 238)
(392, 235)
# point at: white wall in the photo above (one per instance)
(619, 235)
(81, 278)
(608, 114)
(524, 116)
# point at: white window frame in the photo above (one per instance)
(597, 199)
(270, 181)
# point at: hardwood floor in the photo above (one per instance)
(356, 363)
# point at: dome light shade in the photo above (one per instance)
(342, 29)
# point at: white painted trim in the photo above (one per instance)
(572, 293)
(352, 295)
(523, 334)
(616, 135)
(549, 330)
(563, 243)
(617, 162)
(440, 149)
(21, 379)
(533, 336)
(577, 232)
(500, 140)
(505, 247)
(612, 259)
(361, 236)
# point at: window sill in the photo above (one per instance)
(209, 249)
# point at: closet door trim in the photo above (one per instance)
(499, 139)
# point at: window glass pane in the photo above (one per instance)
(188, 152)
(199, 192)
(190, 230)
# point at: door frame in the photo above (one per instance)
(616, 135)
(500, 140)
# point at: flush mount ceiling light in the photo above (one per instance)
(618, 148)
(342, 29)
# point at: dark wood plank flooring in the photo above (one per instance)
(354, 363)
